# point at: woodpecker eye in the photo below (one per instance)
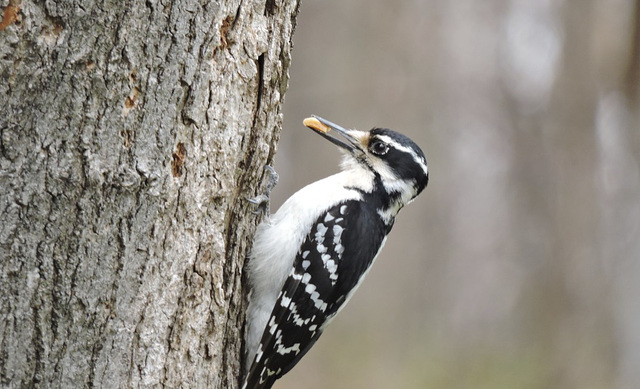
(378, 147)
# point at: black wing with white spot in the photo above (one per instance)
(318, 285)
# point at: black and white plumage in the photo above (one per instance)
(310, 256)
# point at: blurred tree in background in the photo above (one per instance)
(520, 266)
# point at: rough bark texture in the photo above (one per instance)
(131, 132)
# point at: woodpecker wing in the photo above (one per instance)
(336, 253)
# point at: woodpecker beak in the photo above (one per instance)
(355, 140)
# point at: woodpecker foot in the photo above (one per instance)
(262, 201)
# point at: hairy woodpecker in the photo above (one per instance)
(310, 256)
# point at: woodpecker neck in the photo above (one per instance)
(385, 196)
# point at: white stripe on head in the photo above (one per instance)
(418, 159)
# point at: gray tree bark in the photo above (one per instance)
(131, 132)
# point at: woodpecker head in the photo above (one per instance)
(392, 157)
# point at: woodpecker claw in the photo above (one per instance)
(273, 178)
(262, 201)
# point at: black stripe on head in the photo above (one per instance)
(404, 157)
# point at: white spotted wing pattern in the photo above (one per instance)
(318, 286)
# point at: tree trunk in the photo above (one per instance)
(131, 132)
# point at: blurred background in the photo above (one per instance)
(519, 266)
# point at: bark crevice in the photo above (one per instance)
(124, 165)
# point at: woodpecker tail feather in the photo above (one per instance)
(253, 381)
